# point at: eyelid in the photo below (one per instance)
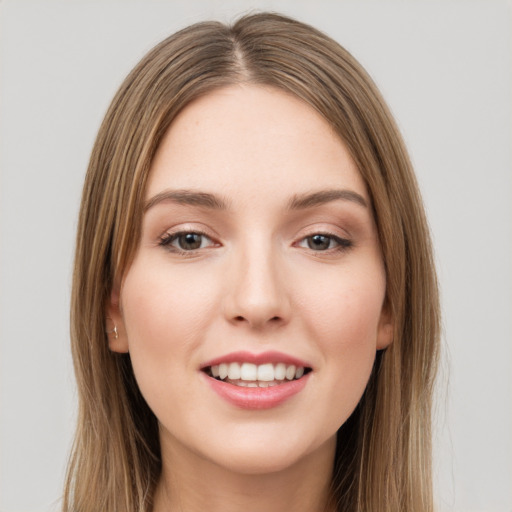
(324, 228)
(344, 240)
(166, 239)
(189, 227)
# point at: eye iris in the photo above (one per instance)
(319, 242)
(190, 241)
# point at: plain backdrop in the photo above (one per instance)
(445, 69)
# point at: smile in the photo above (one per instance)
(256, 381)
(251, 375)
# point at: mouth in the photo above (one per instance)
(250, 375)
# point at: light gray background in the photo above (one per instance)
(445, 70)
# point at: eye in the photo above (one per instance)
(324, 242)
(186, 241)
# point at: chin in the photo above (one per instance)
(260, 463)
(256, 455)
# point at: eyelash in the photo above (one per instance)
(342, 244)
(168, 238)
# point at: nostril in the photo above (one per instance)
(272, 320)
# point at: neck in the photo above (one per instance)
(189, 483)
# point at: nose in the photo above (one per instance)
(257, 294)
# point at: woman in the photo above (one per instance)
(255, 312)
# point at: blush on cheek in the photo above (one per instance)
(167, 313)
(346, 318)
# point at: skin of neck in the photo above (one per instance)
(190, 483)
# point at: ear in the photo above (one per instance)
(386, 328)
(114, 325)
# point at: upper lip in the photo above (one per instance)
(273, 357)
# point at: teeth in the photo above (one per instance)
(234, 371)
(290, 372)
(280, 371)
(251, 375)
(223, 371)
(266, 372)
(248, 371)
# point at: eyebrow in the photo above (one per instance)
(187, 197)
(309, 200)
(213, 202)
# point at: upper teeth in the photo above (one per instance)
(252, 372)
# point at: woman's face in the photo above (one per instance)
(259, 258)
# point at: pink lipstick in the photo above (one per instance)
(256, 381)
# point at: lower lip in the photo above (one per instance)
(257, 398)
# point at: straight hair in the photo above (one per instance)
(383, 454)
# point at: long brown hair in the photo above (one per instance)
(383, 459)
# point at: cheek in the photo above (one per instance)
(164, 316)
(344, 321)
(345, 315)
(164, 310)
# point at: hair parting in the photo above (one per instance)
(383, 455)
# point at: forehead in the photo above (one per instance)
(252, 138)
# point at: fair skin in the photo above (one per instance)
(259, 247)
